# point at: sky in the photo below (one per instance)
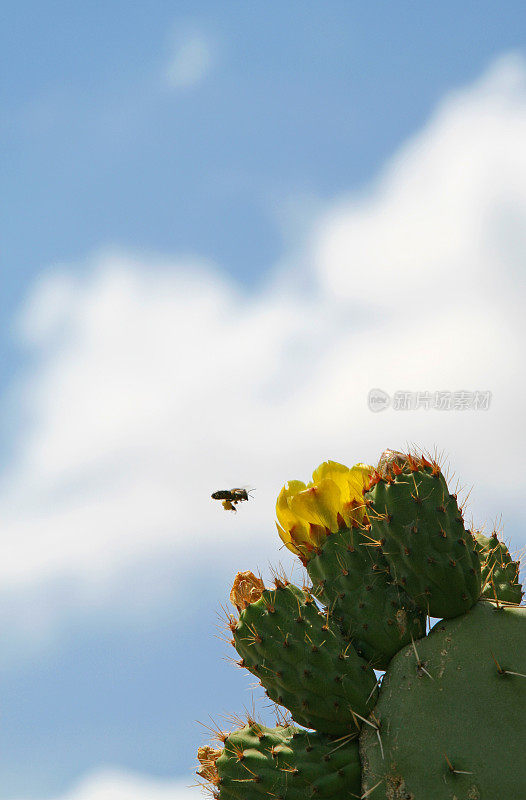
(223, 226)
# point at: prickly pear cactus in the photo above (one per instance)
(383, 547)
(450, 722)
(261, 762)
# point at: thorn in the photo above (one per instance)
(343, 741)
(374, 687)
(456, 771)
(374, 724)
(369, 791)
(420, 664)
(494, 590)
(380, 742)
(421, 667)
(372, 541)
(499, 668)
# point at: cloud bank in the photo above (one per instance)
(156, 380)
(116, 785)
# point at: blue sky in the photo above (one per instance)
(301, 99)
(189, 189)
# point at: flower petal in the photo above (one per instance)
(354, 507)
(359, 476)
(285, 537)
(328, 470)
(285, 517)
(318, 504)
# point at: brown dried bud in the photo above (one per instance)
(246, 589)
(207, 757)
(388, 458)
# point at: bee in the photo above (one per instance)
(231, 497)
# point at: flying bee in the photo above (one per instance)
(231, 497)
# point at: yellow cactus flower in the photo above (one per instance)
(308, 513)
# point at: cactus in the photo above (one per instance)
(383, 547)
(349, 574)
(300, 657)
(451, 717)
(282, 762)
(500, 575)
(420, 528)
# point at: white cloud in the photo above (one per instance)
(116, 785)
(444, 212)
(190, 62)
(158, 381)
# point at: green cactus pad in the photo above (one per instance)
(352, 578)
(500, 575)
(285, 763)
(302, 660)
(421, 530)
(451, 718)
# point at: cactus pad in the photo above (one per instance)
(300, 656)
(421, 531)
(451, 718)
(500, 575)
(352, 578)
(283, 763)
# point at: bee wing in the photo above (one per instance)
(248, 489)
